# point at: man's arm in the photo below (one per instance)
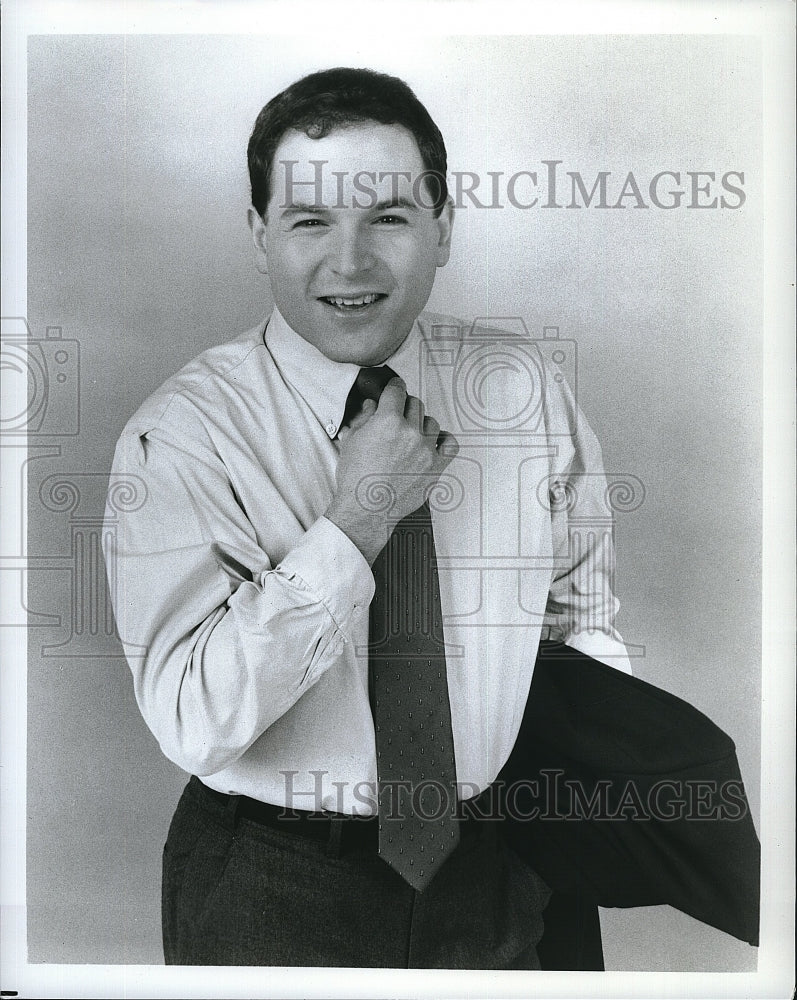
(581, 599)
(220, 641)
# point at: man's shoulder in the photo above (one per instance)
(202, 383)
(499, 364)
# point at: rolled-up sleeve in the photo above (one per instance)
(221, 642)
(581, 601)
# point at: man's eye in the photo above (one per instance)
(307, 224)
(391, 220)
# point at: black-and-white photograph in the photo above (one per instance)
(396, 464)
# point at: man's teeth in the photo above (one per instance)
(361, 300)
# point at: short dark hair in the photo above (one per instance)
(336, 98)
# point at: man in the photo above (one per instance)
(351, 496)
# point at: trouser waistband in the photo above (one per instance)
(346, 832)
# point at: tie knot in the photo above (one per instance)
(368, 385)
(371, 381)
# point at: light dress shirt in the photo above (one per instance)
(244, 611)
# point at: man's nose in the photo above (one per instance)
(351, 255)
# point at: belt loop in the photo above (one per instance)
(335, 836)
(231, 811)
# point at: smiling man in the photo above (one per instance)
(334, 592)
(352, 267)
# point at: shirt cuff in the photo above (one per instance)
(333, 568)
(609, 649)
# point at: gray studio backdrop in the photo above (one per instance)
(139, 258)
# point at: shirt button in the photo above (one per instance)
(331, 429)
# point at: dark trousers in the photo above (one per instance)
(237, 892)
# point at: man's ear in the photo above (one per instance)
(445, 224)
(258, 228)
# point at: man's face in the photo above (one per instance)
(351, 274)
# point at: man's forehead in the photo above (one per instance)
(359, 142)
(343, 160)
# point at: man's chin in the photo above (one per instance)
(361, 358)
(366, 343)
(362, 350)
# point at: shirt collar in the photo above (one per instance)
(324, 384)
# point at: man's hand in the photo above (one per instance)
(396, 442)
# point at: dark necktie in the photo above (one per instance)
(418, 826)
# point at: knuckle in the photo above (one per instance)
(449, 446)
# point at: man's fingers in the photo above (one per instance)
(413, 412)
(368, 409)
(447, 445)
(394, 397)
(431, 429)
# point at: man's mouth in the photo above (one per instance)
(351, 303)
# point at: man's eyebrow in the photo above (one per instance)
(299, 207)
(387, 203)
(312, 208)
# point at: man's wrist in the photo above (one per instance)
(369, 532)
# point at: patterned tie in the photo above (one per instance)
(418, 826)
